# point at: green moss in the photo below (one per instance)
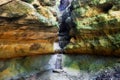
(96, 67)
(102, 18)
(89, 63)
(75, 65)
(84, 65)
(113, 22)
(94, 2)
(96, 22)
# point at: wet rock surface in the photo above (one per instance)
(49, 75)
(109, 74)
(79, 67)
(23, 67)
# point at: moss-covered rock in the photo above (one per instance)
(90, 67)
(24, 67)
(98, 24)
(29, 27)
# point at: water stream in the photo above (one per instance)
(57, 57)
(64, 30)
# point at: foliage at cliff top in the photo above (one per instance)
(93, 14)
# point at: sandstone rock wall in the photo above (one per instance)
(25, 23)
(98, 26)
(25, 29)
(29, 27)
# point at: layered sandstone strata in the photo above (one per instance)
(98, 26)
(24, 30)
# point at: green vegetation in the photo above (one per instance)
(88, 63)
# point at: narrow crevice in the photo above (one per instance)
(66, 24)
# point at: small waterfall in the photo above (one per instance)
(65, 24)
(58, 61)
(56, 46)
(53, 58)
(55, 61)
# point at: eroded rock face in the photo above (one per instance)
(25, 30)
(76, 67)
(98, 27)
(25, 67)
(22, 26)
(29, 27)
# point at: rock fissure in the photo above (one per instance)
(65, 25)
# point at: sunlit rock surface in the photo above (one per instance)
(98, 26)
(24, 30)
